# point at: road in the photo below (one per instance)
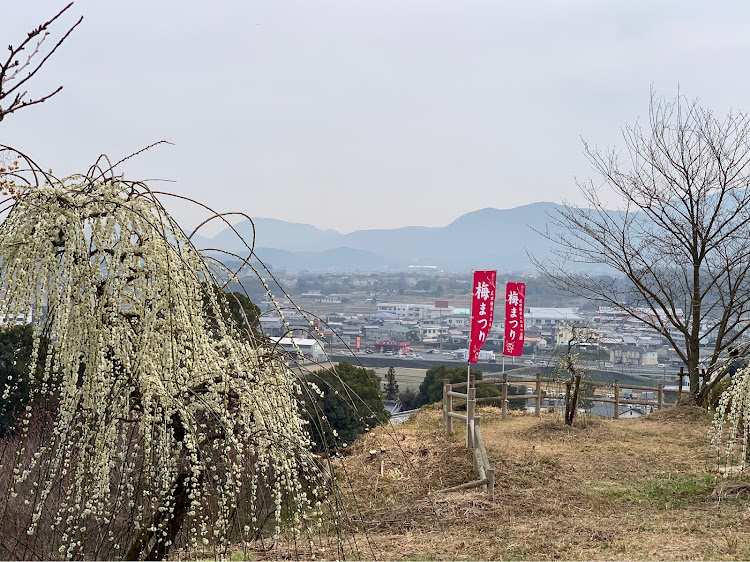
(410, 372)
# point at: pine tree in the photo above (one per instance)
(391, 386)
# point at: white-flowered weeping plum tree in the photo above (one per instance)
(141, 410)
(150, 422)
(730, 431)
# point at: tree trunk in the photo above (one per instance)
(693, 356)
(172, 525)
(167, 520)
(571, 402)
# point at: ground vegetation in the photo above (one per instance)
(644, 489)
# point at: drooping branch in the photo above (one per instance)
(151, 385)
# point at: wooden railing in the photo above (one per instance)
(449, 393)
(474, 439)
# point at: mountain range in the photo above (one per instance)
(489, 238)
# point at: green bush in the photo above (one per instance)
(15, 356)
(351, 403)
(408, 399)
(517, 390)
(431, 389)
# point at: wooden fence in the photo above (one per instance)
(617, 399)
(474, 439)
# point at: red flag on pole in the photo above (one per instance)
(515, 295)
(482, 310)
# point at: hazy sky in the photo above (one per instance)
(352, 114)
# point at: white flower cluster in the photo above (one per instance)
(733, 412)
(154, 406)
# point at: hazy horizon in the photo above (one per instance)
(369, 114)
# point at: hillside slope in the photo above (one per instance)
(614, 490)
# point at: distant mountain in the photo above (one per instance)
(272, 233)
(336, 258)
(491, 238)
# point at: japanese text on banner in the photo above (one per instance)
(482, 310)
(515, 295)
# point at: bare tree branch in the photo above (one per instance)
(14, 73)
(678, 245)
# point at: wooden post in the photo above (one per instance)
(491, 483)
(445, 402)
(448, 405)
(477, 458)
(538, 404)
(660, 403)
(617, 400)
(679, 389)
(471, 405)
(505, 396)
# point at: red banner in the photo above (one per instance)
(515, 295)
(482, 310)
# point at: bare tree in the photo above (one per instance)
(570, 364)
(677, 250)
(24, 61)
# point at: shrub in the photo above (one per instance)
(408, 399)
(431, 389)
(351, 402)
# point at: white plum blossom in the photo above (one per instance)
(733, 414)
(148, 407)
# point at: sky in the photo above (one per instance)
(354, 114)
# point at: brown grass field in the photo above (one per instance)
(639, 489)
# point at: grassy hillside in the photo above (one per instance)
(610, 490)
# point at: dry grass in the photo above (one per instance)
(604, 490)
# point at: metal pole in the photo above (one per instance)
(504, 408)
(471, 405)
(468, 388)
(468, 358)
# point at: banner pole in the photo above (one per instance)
(468, 355)
(468, 381)
(504, 323)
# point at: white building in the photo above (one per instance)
(565, 333)
(309, 348)
(551, 316)
(19, 320)
(400, 309)
(431, 333)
